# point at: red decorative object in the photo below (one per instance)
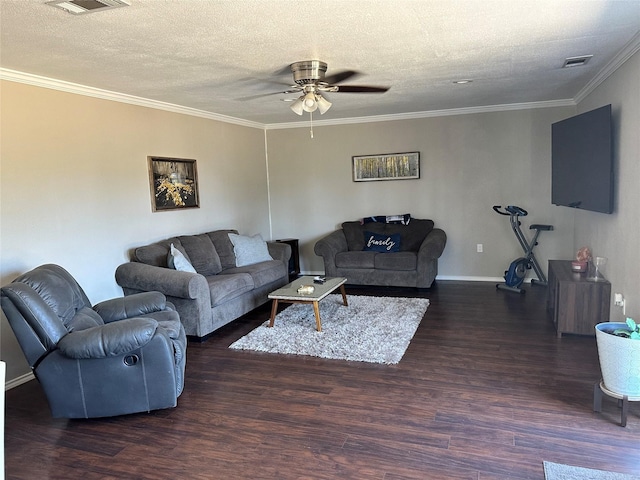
(583, 255)
(581, 263)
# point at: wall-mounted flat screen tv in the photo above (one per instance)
(582, 161)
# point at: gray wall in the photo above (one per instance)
(468, 164)
(617, 236)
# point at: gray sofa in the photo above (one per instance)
(219, 291)
(387, 254)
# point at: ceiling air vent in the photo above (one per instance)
(79, 7)
(576, 61)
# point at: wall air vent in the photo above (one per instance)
(79, 7)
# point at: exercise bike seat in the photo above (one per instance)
(543, 228)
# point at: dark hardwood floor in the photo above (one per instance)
(484, 391)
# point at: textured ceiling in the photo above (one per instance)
(212, 54)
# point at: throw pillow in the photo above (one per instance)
(177, 260)
(202, 254)
(249, 250)
(375, 242)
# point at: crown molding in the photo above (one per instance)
(426, 114)
(625, 54)
(69, 87)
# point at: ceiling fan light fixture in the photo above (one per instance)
(297, 106)
(309, 103)
(323, 104)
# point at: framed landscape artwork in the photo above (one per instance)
(392, 166)
(174, 183)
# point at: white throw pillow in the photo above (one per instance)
(249, 250)
(178, 261)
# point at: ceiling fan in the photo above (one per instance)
(311, 82)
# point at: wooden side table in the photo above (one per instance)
(576, 303)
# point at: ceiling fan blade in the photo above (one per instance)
(260, 95)
(340, 76)
(361, 89)
(285, 70)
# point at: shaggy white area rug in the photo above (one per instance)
(557, 471)
(370, 329)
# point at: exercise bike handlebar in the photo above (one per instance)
(510, 210)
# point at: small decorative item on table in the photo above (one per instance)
(581, 263)
(306, 289)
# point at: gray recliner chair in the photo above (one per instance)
(121, 356)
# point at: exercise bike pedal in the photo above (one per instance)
(503, 286)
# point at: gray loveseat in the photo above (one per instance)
(387, 254)
(219, 291)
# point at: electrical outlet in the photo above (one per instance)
(479, 248)
(618, 300)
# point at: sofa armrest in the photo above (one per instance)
(433, 245)
(188, 292)
(172, 283)
(328, 247)
(108, 340)
(131, 306)
(331, 245)
(280, 251)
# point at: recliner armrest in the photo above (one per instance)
(108, 340)
(131, 306)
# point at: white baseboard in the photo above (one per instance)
(446, 277)
(462, 278)
(27, 377)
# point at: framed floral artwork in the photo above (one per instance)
(174, 183)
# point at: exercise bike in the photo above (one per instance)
(514, 277)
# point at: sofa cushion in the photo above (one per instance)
(227, 286)
(375, 242)
(396, 261)
(355, 259)
(224, 247)
(411, 236)
(156, 253)
(262, 273)
(202, 254)
(83, 319)
(354, 234)
(249, 250)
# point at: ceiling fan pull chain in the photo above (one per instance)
(311, 123)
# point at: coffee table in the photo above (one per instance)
(289, 293)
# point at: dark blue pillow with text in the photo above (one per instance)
(376, 242)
